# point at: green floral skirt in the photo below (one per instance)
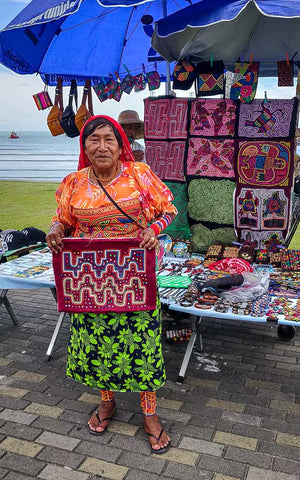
(117, 351)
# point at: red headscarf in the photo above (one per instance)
(126, 153)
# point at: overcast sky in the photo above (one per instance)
(18, 111)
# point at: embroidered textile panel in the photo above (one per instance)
(179, 228)
(165, 118)
(272, 119)
(203, 237)
(262, 209)
(262, 239)
(166, 159)
(265, 163)
(210, 157)
(103, 275)
(210, 78)
(285, 72)
(211, 200)
(212, 117)
(246, 85)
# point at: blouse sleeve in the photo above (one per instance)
(156, 196)
(63, 196)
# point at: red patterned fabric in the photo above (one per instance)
(210, 157)
(104, 275)
(231, 265)
(165, 118)
(166, 159)
(213, 117)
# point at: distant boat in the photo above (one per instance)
(13, 135)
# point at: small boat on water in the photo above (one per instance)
(13, 135)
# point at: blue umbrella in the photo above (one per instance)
(231, 29)
(83, 39)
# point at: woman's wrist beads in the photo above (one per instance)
(56, 224)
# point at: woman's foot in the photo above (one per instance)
(158, 438)
(99, 421)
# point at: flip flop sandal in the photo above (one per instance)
(95, 432)
(161, 450)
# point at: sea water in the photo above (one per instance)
(37, 156)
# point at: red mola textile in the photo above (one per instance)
(104, 275)
(231, 265)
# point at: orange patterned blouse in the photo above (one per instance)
(84, 207)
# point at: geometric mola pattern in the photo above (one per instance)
(105, 275)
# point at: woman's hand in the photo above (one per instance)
(55, 237)
(149, 240)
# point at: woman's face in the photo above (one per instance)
(102, 148)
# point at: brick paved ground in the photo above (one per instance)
(237, 416)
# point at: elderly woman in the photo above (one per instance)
(85, 210)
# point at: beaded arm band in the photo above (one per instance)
(162, 222)
(64, 227)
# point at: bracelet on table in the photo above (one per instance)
(202, 306)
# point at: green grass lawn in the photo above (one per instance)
(27, 204)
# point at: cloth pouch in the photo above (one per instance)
(139, 82)
(127, 83)
(100, 91)
(42, 100)
(210, 78)
(153, 80)
(117, 94)
(105, 89)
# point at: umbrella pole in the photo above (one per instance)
(295, 221)
(168, 81)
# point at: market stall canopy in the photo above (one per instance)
(83, 39)
(229, 30)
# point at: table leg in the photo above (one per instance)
(54, 336)
(195, 336)
(5, 301)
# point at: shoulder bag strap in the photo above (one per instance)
(73, 93)
(87, 94)
(116, 205)
(58, 101)
(90, 101)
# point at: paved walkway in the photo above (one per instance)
(237, 416)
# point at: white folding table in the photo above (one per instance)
(33, 270)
